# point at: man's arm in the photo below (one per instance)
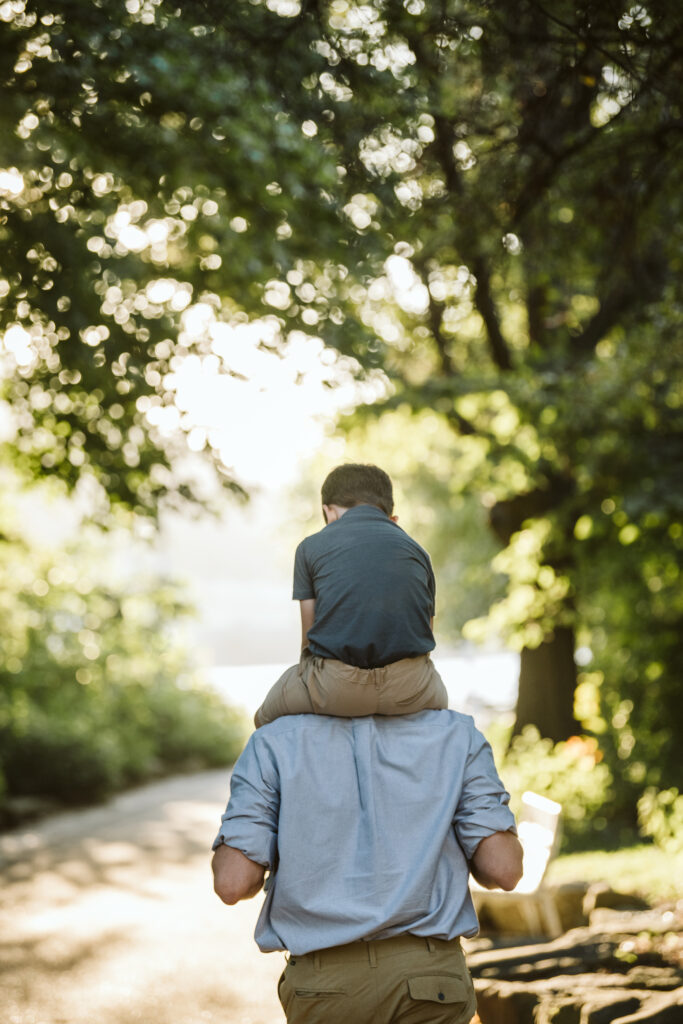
(497, 861)
(307, 619)
(484, 824)
(235, 877)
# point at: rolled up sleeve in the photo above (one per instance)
(249, 823)
(483, 806)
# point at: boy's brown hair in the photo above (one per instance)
(357, 483)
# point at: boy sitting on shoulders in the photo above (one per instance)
(367, 607)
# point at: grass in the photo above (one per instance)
(644, 869)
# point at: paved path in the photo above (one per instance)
(108, 916)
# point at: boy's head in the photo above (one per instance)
(358, 484)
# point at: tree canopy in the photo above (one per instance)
(148, 170)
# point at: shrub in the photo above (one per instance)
(195, 726)
(85, 753)
(96, 689)
(660, 815)
(572, 773)
(61, 759)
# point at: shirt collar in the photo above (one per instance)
(363, 512)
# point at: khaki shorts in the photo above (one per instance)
(322, 686)
(406, 979)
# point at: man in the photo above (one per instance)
(370, 828)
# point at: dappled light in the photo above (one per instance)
(111, 912)
(245, 242)
(200, 264)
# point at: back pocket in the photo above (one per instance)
(440, 988)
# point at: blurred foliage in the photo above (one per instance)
(481, 201)
(572, 772)
(96, 691)
(147, 210)
(513, 170)
(660, 814)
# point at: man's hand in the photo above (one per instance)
(497, 861)
(235, 877)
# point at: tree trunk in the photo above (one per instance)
(547, 674)
(547, 680)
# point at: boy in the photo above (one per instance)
(367, 606)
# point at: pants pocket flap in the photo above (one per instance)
(439, 988)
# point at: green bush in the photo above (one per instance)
(86, 754)
(572, 773)
(63, 760)
(660, 815)
(195, 726)
(96, 689)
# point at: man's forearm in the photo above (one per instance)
(485, 881)
(235, 877)
(497, 861)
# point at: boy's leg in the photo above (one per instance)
(288, 696)
(321, 686)
(336, 688)
(411, 685)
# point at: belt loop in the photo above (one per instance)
(316, 960)
(372, 954)
(431, 945)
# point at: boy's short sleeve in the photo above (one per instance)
(432, 588)
(303, 580)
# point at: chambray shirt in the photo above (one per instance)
(366, 824)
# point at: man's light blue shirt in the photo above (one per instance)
(366, 823)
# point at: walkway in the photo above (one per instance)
(108, 916)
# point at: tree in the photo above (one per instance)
(479, 199)
(513, 172)
(137, 186)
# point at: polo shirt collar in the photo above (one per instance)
(363, 512)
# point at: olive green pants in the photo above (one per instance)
(323, 686)
(404, 980)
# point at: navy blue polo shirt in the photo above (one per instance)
(373, 587)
